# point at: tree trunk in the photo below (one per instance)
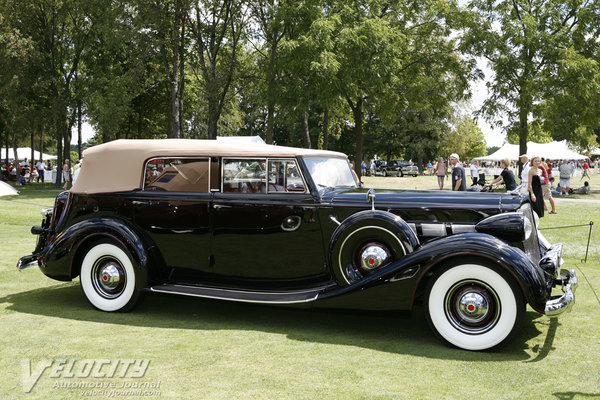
(212, 120)
(523, 133)
(32, 142)
(326, 128)
(16, 155)
(181, 76)
(270, 117)
(7, 140)
(139, 125)
(79, 137)
(306, 130)
(271, 84)
(357, 112)
(60, 128)
(41, 148)
(176, 91)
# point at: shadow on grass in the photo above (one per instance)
(575, 395)
(393, 332)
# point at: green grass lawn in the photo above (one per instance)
(209, 349)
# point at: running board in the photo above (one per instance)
(280, 297)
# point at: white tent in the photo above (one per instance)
(24, 152)
(550, 151)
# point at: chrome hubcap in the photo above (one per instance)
(373, 256)
(472, 307)
(108, 277)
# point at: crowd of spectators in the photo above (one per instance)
(25, 172)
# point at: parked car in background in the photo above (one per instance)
(279, 225)
(400, 168)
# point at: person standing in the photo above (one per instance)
(586, 170)
(363, 168)
(564, 172)
(66, 173)
(458, 174)
(524, 173)
(545, 181)
(534, 187)
(441, 171)
(474, 172)
(373, 167)
(41, 167)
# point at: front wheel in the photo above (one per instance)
(108, 278)
(473, 307)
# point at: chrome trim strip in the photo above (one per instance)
(433, 229)
(207, 296)
(558, 305)
(462, 228)
(334, 219)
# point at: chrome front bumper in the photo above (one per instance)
(27, 261)
(563, 303)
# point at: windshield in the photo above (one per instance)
(331, 172)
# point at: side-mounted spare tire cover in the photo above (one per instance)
(366, 242)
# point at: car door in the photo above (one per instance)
(265, 222)
(174, 210)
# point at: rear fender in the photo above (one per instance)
(62, 257)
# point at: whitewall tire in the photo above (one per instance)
(108, 278)
(474, 307)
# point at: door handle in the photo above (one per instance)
(141, 203)
(218, 206)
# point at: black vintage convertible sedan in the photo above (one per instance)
(280, 225)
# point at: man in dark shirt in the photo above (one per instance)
(458, 174)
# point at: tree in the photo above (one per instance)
(163, 22)
(217, 27)
(524, 43)
(465, 139)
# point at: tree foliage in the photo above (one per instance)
(367, 77)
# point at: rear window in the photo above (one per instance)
(177, 175)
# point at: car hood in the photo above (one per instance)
(425, 199)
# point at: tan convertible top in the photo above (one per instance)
(118, 166)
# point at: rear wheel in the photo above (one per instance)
(108, 278)
(474, 307)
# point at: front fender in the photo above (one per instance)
(395, 286)
(497, 252)
(59, 260)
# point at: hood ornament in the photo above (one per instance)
(371, 198)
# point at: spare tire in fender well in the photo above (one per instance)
(371, 229)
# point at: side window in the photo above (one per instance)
(244, 176)
(177, 175)
(284, 176)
